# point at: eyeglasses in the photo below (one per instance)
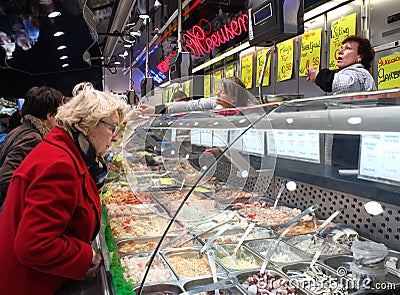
(115, 128)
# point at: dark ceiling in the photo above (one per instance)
(96, 33)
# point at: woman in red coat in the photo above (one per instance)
(52, 210)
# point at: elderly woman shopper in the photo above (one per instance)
(354, 63)
(52, 210)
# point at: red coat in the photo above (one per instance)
(50, 216)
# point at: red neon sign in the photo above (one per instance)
(201, 39)
(163, 66)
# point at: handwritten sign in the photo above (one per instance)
(247, 71)
(217, 80)
(260, 62)
(389, 71)
(310, 56)
(340, 30)
(230, 71)
(285, 60)
(207, 85)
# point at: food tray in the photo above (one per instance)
(305, 243)
(135, 267)
(246, 259)
(243, 276)
(164, 197)
(141, 226)
(157, 289)
(226, 215)
(193, 284)
(342, 263)
(185, 263)
(326, 280)
(284, 253)
(127, 210)
(302, 228)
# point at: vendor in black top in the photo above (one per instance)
(354, 62)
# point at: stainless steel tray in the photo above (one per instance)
(158, 289)
(193, 284)
(244, 276)
(186, 264)
(231, 236)
(246, 259)
(284, 252)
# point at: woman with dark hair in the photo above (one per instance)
(354, 62)
(38, 112)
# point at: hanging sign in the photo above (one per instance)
(247, 71)
(260, 62)
(230, 71)
(217, 80)
(389, 71)
(310, 51)
(340, 30)
(285, 60)
(207, 85)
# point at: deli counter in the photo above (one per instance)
(184, 189)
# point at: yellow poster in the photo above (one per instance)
(340, 29)
(217, 80)
(389, 71)
(186, 88)
(260, 62)
(207, 85)
(310, 56)
(285, 60)
(230, 71)
(247, 71)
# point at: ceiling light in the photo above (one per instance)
(117, 63)
(61, 47)
(157, 4)
(144, 16)
(54, 14)
(65, 65)
(59, 33)
(64, 57)
(126, 45)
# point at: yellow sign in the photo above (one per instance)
(207, 85)
(201, 190)
(340, 30)
(389, 71)
(166, 181)
(260, 62)
(217, 80)
(310, 56)
(285, 60)
(230, 71)
(247, 71)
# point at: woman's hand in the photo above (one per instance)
(96, 260)
(311, 74)
(147, 109)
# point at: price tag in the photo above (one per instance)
(124, 183)
(144, 153)
(201, 190)
(106, 194)
(166, 181)
(117, 158)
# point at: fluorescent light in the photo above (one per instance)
(61, 47)
(59, 33)
(135, 33)
(117, 63)
(64, 57)
(144, 16)
(126, 45)
(65, 65)
(222, 56)
(54, 14)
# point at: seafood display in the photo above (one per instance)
(267, 283)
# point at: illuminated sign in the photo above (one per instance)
(201, 39)
(163, 66)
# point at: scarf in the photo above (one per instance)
(96, 165)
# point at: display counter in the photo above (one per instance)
(186, 187)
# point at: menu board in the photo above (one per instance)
(302, 145)
(380, 157)
(254, 142)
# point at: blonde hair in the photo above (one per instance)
(87, 107)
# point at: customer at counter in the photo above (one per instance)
(232, 93)
(354, 62)
(52, 211)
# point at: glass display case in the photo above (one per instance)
(186, 187)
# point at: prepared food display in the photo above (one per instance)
(267, 283)
(303, 227)
(269, 216)
(231, 236)
(243, 260)
(127, 196)
(114, 210)
(311, 244)
(136, 265)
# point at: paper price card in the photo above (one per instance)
(201, 190)
(166, 181)
(260, 62)
(340, 30)
(389, 71)
(207, 85)
(310, 51)
(247, 71)
(217, 80)
(285, 60)
(230, 71)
